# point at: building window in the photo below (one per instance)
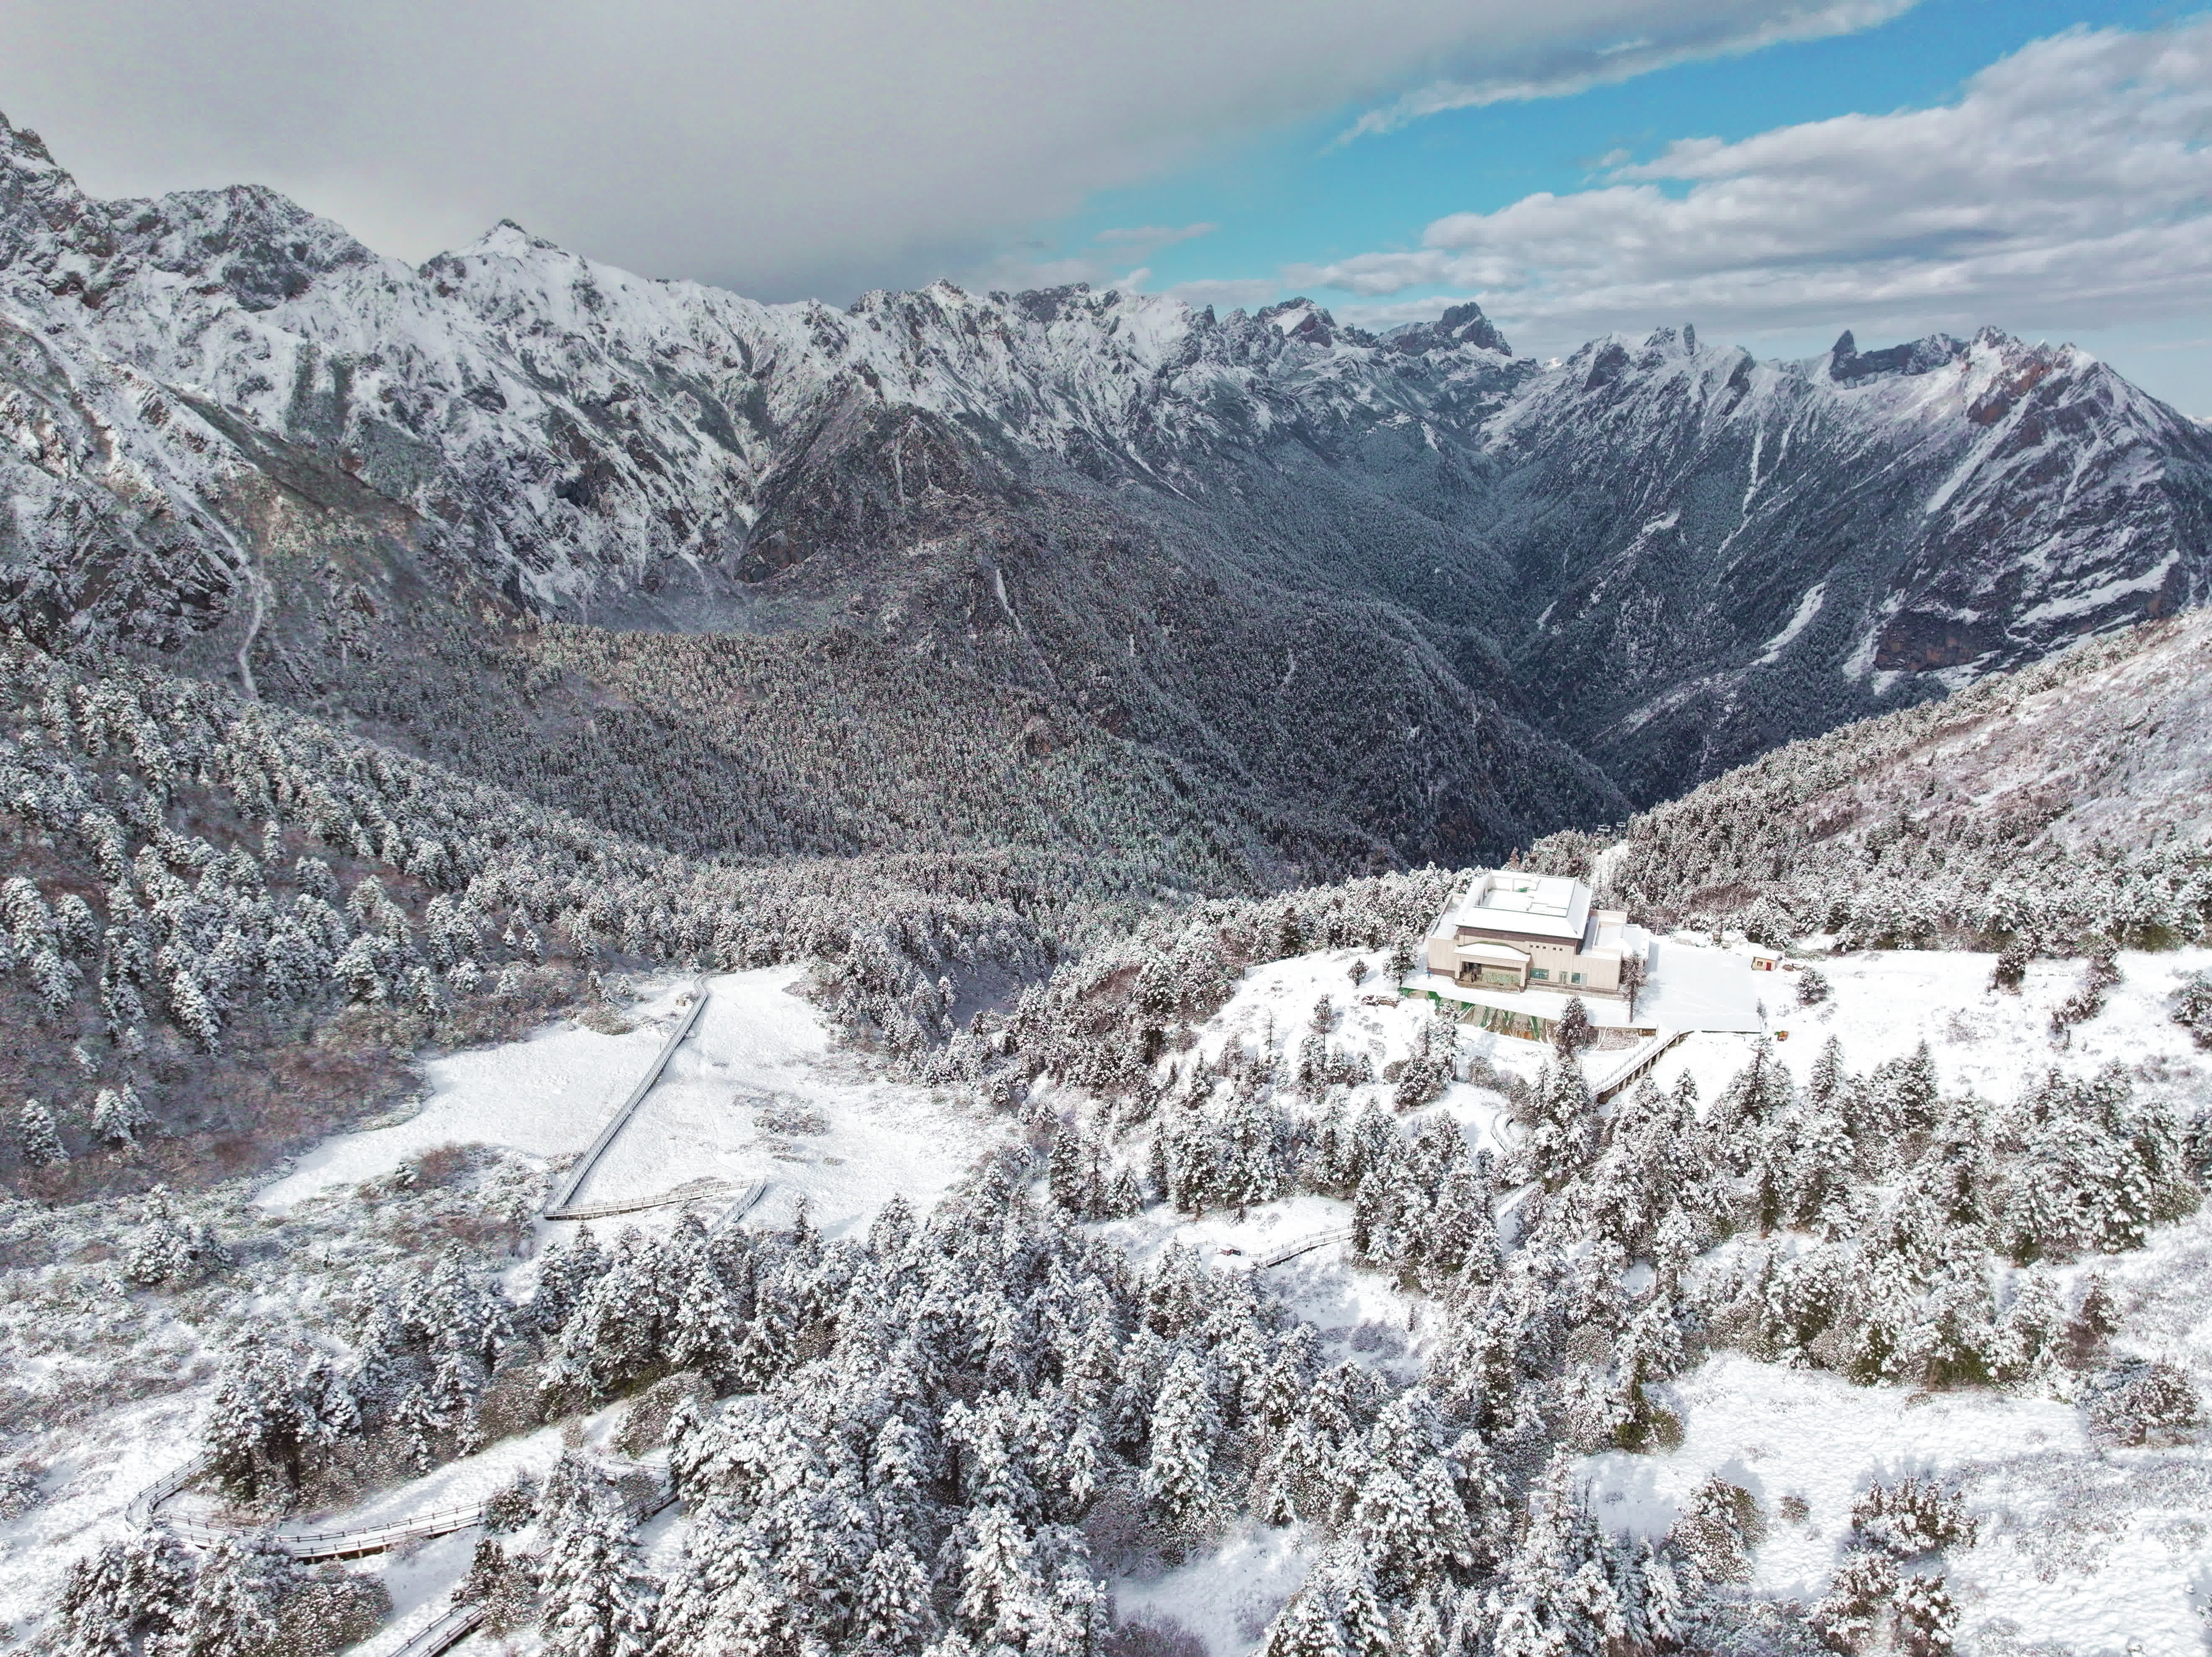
(1540, 972)
(1575, 978)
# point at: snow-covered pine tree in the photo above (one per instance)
(127, 1594)
(599, 1599)
(276, 1407)
(1574, 1034)
(894, 1612)
(167, 1247)
(1558, 1599)
(1185, 1423)
(1560, 1127)
(40, 1137)
(235, 1602)
(119, 1116)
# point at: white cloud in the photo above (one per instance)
(1229, 293)
(2071, 185)
(785, 146)
(1151, 238)
(1569, 65)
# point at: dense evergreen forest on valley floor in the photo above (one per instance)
(972, 772)
(1057, 1410)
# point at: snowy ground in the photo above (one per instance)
(2101, 1550)
(1228, 1596)
(2105, 1551)
(88, 1489)
(1885, 1002)
(1273, 1003)
(756, 1092)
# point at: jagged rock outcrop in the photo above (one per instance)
(1205, 535)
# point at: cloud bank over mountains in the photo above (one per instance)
(785, 148)
(2071, 183)
(820, 147)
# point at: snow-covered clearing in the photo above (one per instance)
(1272, 1004)
(2100, 1549)
(1359, 1314)
(756, 1092)
(2082, 1548)
(1885, 1002)
(1228, 1597)
(88, 1485)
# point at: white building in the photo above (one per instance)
(1518, 947)
(1518, 931)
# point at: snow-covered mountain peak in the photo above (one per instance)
(507, 240)
(1644, 516)
(1460, 325)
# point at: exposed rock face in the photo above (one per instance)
(1669, 556)
(1757, 550)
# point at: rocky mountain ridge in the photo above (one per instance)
(1209, 537)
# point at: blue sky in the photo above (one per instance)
(1300, 196)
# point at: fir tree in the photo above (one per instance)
(41, 1139)
(1184, 1425)
(599, 1599)
(119, 1116)
(1574, 1034)
(129, 1593)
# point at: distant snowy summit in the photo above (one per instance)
(1676, 556)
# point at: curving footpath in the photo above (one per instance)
(746, 1202)
(145, 1509)
(695, 1191)
(457, 1623)
(309, 1546)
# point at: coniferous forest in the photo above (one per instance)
(685, 979)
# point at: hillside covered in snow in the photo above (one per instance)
(682, 977)
(1212, 1299)
(1098, 528)
(2055, 807)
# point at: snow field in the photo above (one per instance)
(88, 1486)
(2100, 1550)
(1273, 1003)
(1885, 1002)
(543, 1097)
(756, 1092)
(1228, 1598)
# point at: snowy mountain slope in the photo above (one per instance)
(1670, 555)
(1753, 550)
(2069, 800)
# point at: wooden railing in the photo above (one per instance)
(557, 1208)
(1282, 1256)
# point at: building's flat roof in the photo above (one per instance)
(1533, 905)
